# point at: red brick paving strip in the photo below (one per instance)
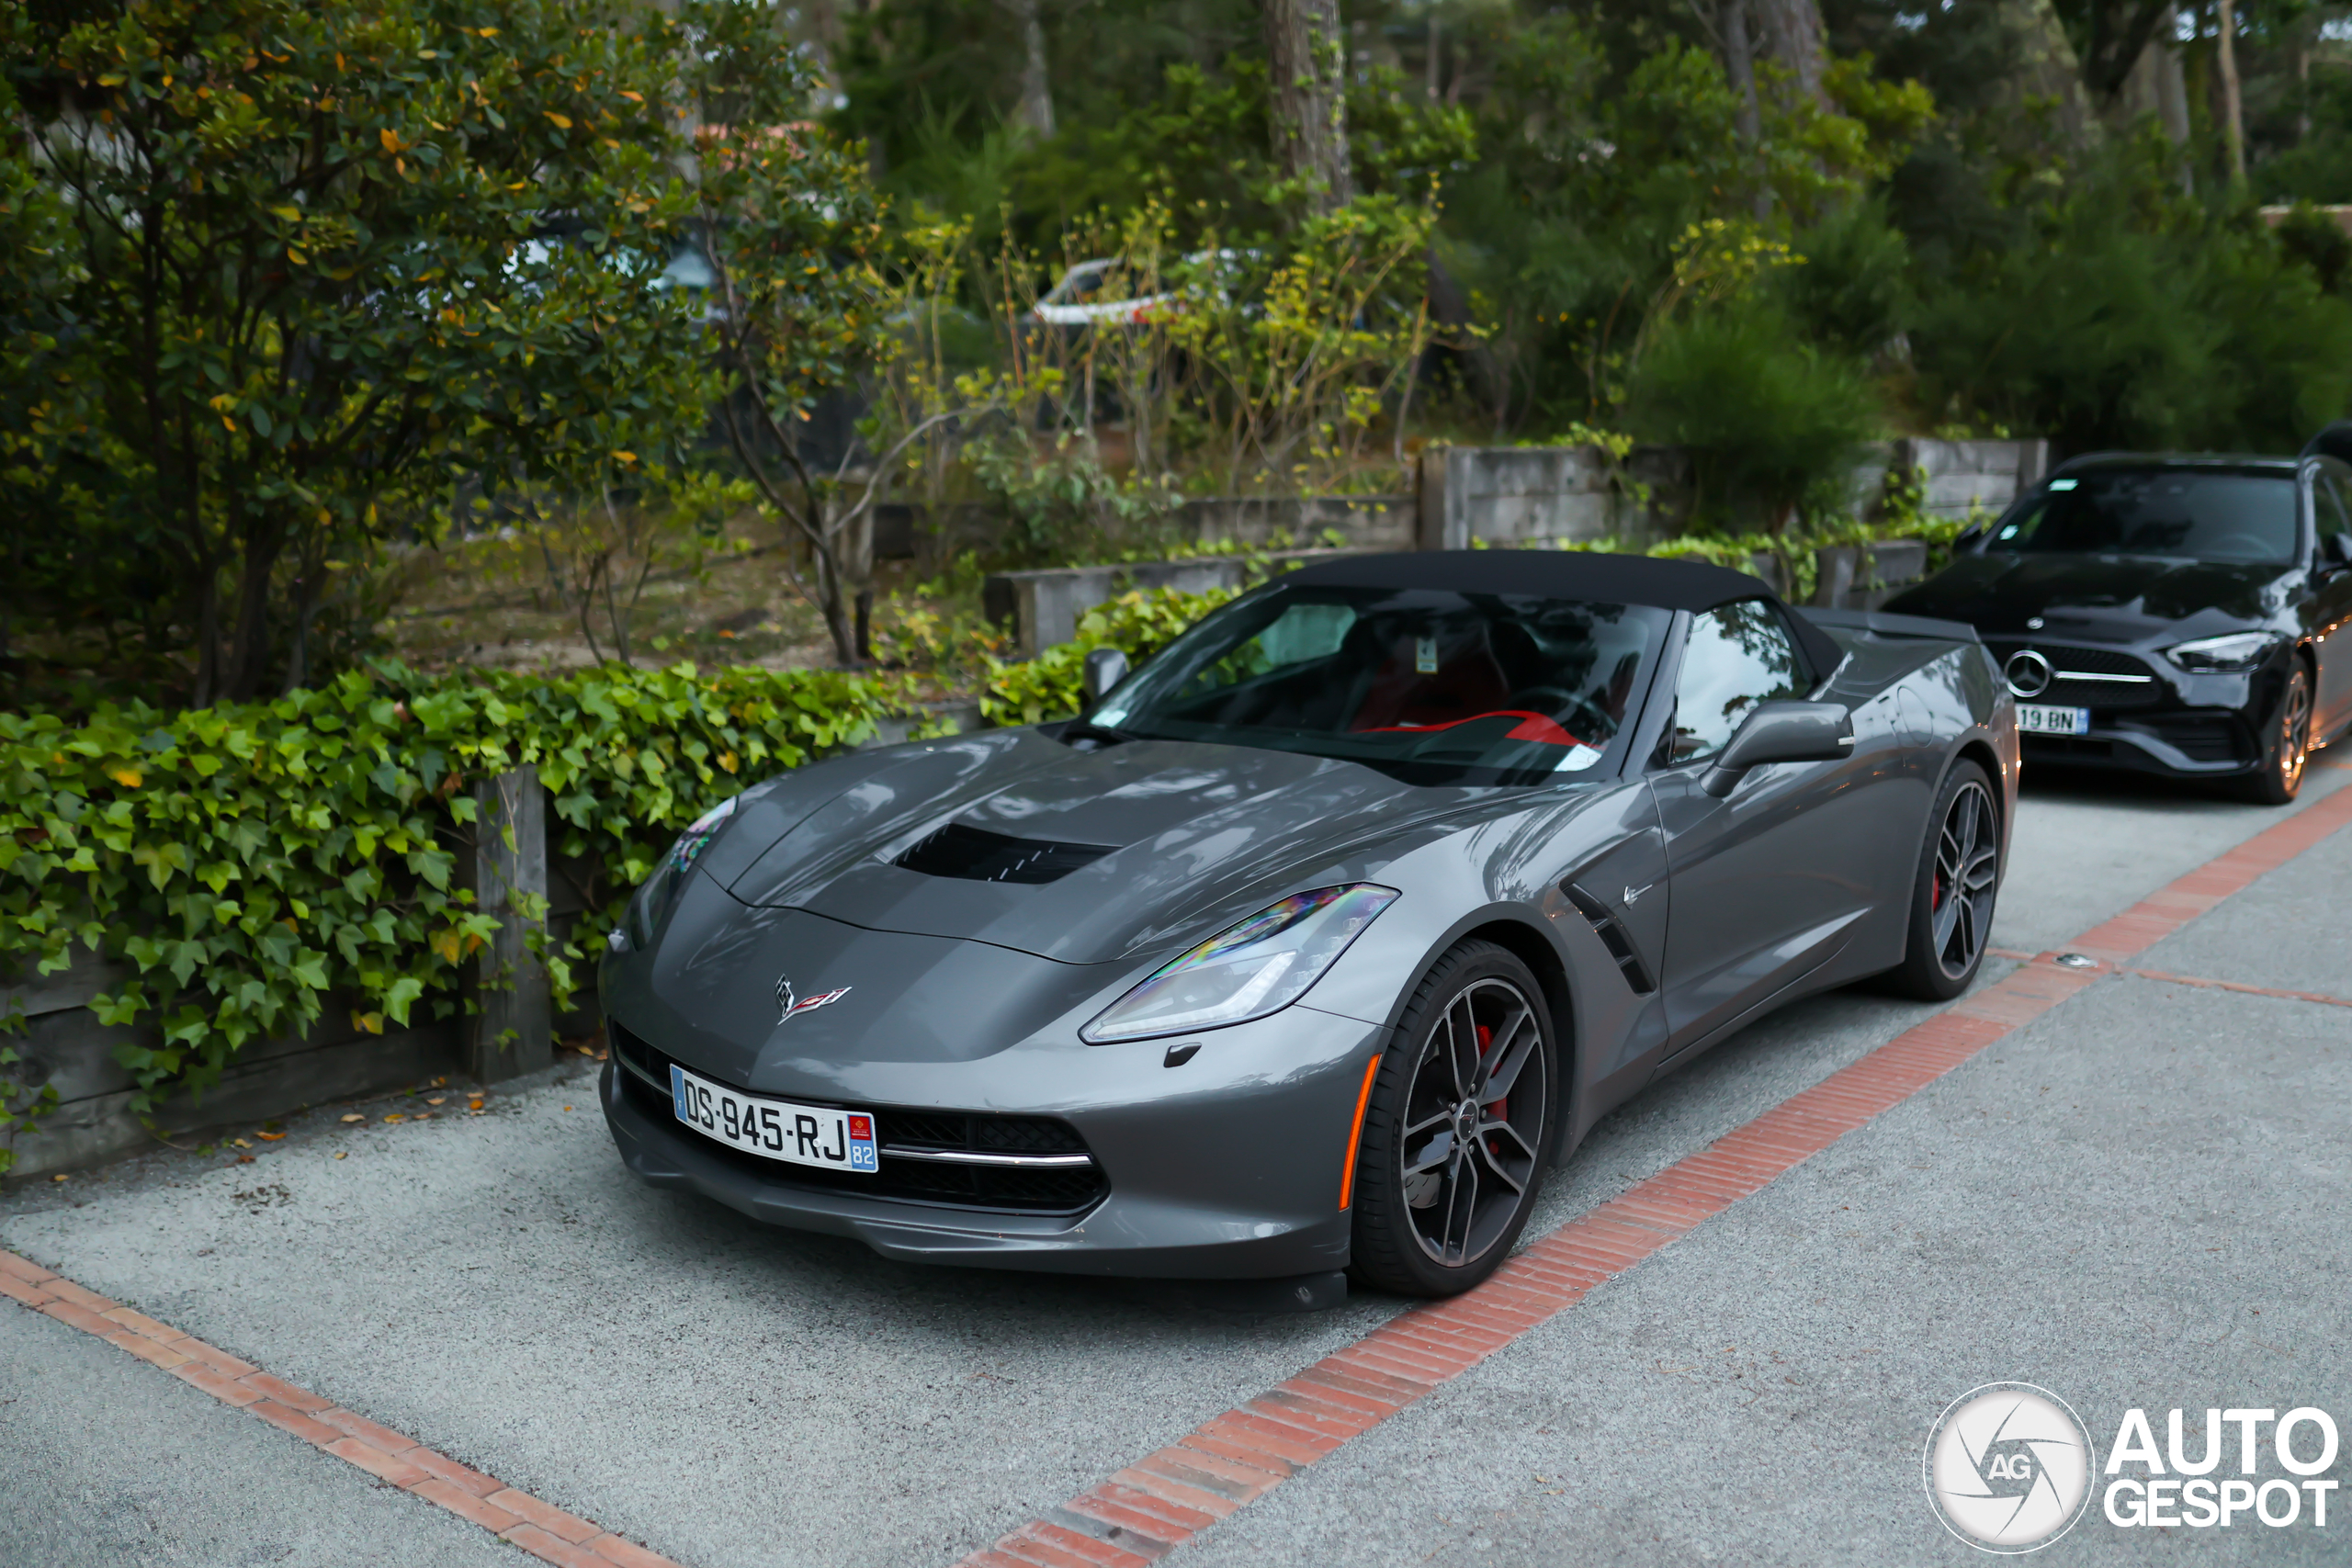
(539, 1528)
(1144, 1512)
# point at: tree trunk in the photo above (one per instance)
(1034, 112)
(2157, 85)
(2119, 31)
(1739, 66)
(1792, 39)
(2232, 106)
(2050, 77)
(1306, 63)
(248, 646)
(2302, 59)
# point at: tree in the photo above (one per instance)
(1033, 112)
(2233, 104)
(1307, 63)
(1739, 66)
(1792, 38)
(793, 230)
(2114, 34)
(325, 256)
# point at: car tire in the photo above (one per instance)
(1953, 894)
(2289, 745)
(1435, 1212)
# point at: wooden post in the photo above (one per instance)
(513, 1033)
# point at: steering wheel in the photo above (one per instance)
(1556, 700)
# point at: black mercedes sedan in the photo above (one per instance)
(2183, 616)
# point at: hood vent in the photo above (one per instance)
(978, 855)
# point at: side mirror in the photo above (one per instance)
(1966, 541)
(1105, 668)
(2335, 552)
(1781, 732)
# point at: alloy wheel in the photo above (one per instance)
(2294, 730)
(1473, 1116)
(1968, 859)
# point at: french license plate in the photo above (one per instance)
(774, 1129)
(2039, 718)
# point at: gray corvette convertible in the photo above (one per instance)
(1318, 939)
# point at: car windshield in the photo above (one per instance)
(1428, 685)
(2202, 515)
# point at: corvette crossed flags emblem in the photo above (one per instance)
(792, 1007)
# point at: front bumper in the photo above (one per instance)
(2148, 716)
(1228, 1166)
(2179, 743)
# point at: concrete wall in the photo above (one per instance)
(1517, 495)
(905, 532)
(1530, 495)
(1965, 473)
(1500, 495)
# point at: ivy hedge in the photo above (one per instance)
(249, 862)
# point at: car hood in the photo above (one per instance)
(2126, 596)
(1188, 834)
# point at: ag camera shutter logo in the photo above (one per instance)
(2009, 1467)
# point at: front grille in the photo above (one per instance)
(2146, 689)
(975, 855)
(1062, 1189)
(2202, 738)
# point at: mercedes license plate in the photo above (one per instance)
(774, 1129)
(2037, 718)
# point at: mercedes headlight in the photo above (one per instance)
(1257, 968)
(2231, 654)
(653, 899)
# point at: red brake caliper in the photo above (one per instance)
(1500, 1109)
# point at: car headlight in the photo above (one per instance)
(653, 899)
(2228, 654)
(1259, 967)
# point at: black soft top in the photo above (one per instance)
(1589, 575)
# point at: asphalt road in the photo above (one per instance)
(2136, 1201)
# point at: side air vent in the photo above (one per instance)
(978, 855)
(1611, 931)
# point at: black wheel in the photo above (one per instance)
(1951, 899)
(2290, 743)
(1455, 1136)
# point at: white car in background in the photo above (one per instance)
(1086, 293)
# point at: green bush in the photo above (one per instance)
(2318, 241)
(247, 861)
(2138, 320)
(1853, 289)
(1053, 685)
(1773, 424)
